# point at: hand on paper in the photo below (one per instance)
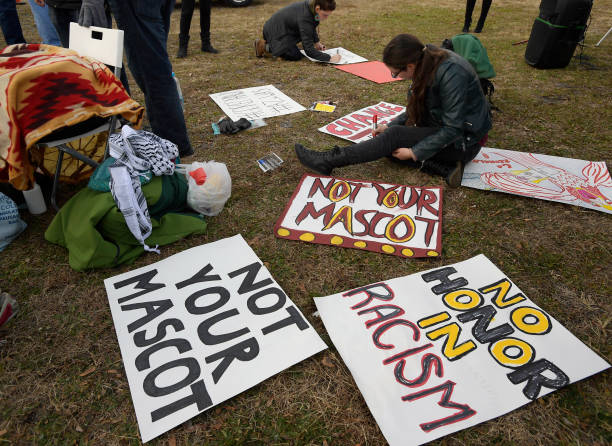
(335, 58)
(404, 153)
(319, 46)
(379, 129)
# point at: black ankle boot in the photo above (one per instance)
(183, 43)
(322, 162)
(452, 174)
(469, 8)
(208, 48)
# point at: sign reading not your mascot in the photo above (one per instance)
(440, 351)
(202, 326)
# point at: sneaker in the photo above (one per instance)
(8, 308)
(454, 177)
(260, 47)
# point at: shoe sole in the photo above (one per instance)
(456, 176)
(257, 52)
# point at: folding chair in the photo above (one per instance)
(105, 45)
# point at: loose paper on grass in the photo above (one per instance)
(392, 219)
(346, 57)
(440, 351)
(566, 180)
(255, 103)
(202, 326)
(357, 126)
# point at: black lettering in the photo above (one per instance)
(141, 340)
(190, 302)
(384, 327)
(200, 276)
(154, 390)
(385, 294)
(243, 351)
(143, 359)
(199, 395)
(153, 309)
(427, 362)
(532, 373)
(406, 353)
(280, 303)
(249, 284)
(395, 312)
(465, 411)
(484, 316)
(294, 318)
(208, 338)
(143, 283)
(445, 284)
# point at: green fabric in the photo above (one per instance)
(469, 47)
(93, 230)
(100, 178)
(557, 26)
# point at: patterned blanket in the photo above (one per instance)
(44, 88)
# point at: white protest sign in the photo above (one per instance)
(346, 57)
(393, 219)
(553, 178)
(255, 103)
(440, 351)
(202, 326)
(357, 126)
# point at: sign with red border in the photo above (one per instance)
(400, 220)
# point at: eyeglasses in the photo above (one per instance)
(394, 75)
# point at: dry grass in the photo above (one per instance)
(559, 255)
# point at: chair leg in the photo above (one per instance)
(111, 129)
(58, 169)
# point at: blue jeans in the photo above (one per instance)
(146, 24)
(45, 28)
(9, 22)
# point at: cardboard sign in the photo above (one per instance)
(440, 351)
(553, 178)
(392, 219)
(357, 126)
(374, 71)
(202, 326)
(346, 57)
(255, 103)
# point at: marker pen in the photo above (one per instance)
(374, 124)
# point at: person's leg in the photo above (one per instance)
(146, 26)
(45, 28)
(486, 4)
(205, 6)
(61, 18)
(372, 149)
(187, 7)
(9, 22)
(449, 163)
(469, 9)
(292, 53)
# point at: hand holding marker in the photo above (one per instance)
(374, 125)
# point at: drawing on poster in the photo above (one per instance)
(346, 57)
(357, 126)
(566, 180)
(200, 327)
(440, 351)
(392, 219)
(255, 103)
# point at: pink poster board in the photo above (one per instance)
(405, 221)
(374, 71)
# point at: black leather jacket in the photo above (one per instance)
(456, 105)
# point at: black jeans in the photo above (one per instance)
(397, 136)
(146, 25)
(187, 8)
(9, 22)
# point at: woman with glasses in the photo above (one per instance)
(446, 120)
(294, 24)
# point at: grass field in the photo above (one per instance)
(61, 374)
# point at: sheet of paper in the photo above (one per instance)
(374, 71)
(346, 56)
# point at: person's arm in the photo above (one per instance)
(308, 35)
(399, 119)
(452, 90)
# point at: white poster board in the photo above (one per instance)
(394, 219)
(440, 351)
(202, 326)
(553, 178)
(357, 126)
(346, 57)
(255, 103)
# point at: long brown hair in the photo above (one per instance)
(406, 49)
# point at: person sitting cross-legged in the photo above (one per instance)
(446, 119)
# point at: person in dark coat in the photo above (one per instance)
(469, 8)
(294, 24)
(446, 120)
(187, 7)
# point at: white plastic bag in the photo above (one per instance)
(209, 197)
(10, 223)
